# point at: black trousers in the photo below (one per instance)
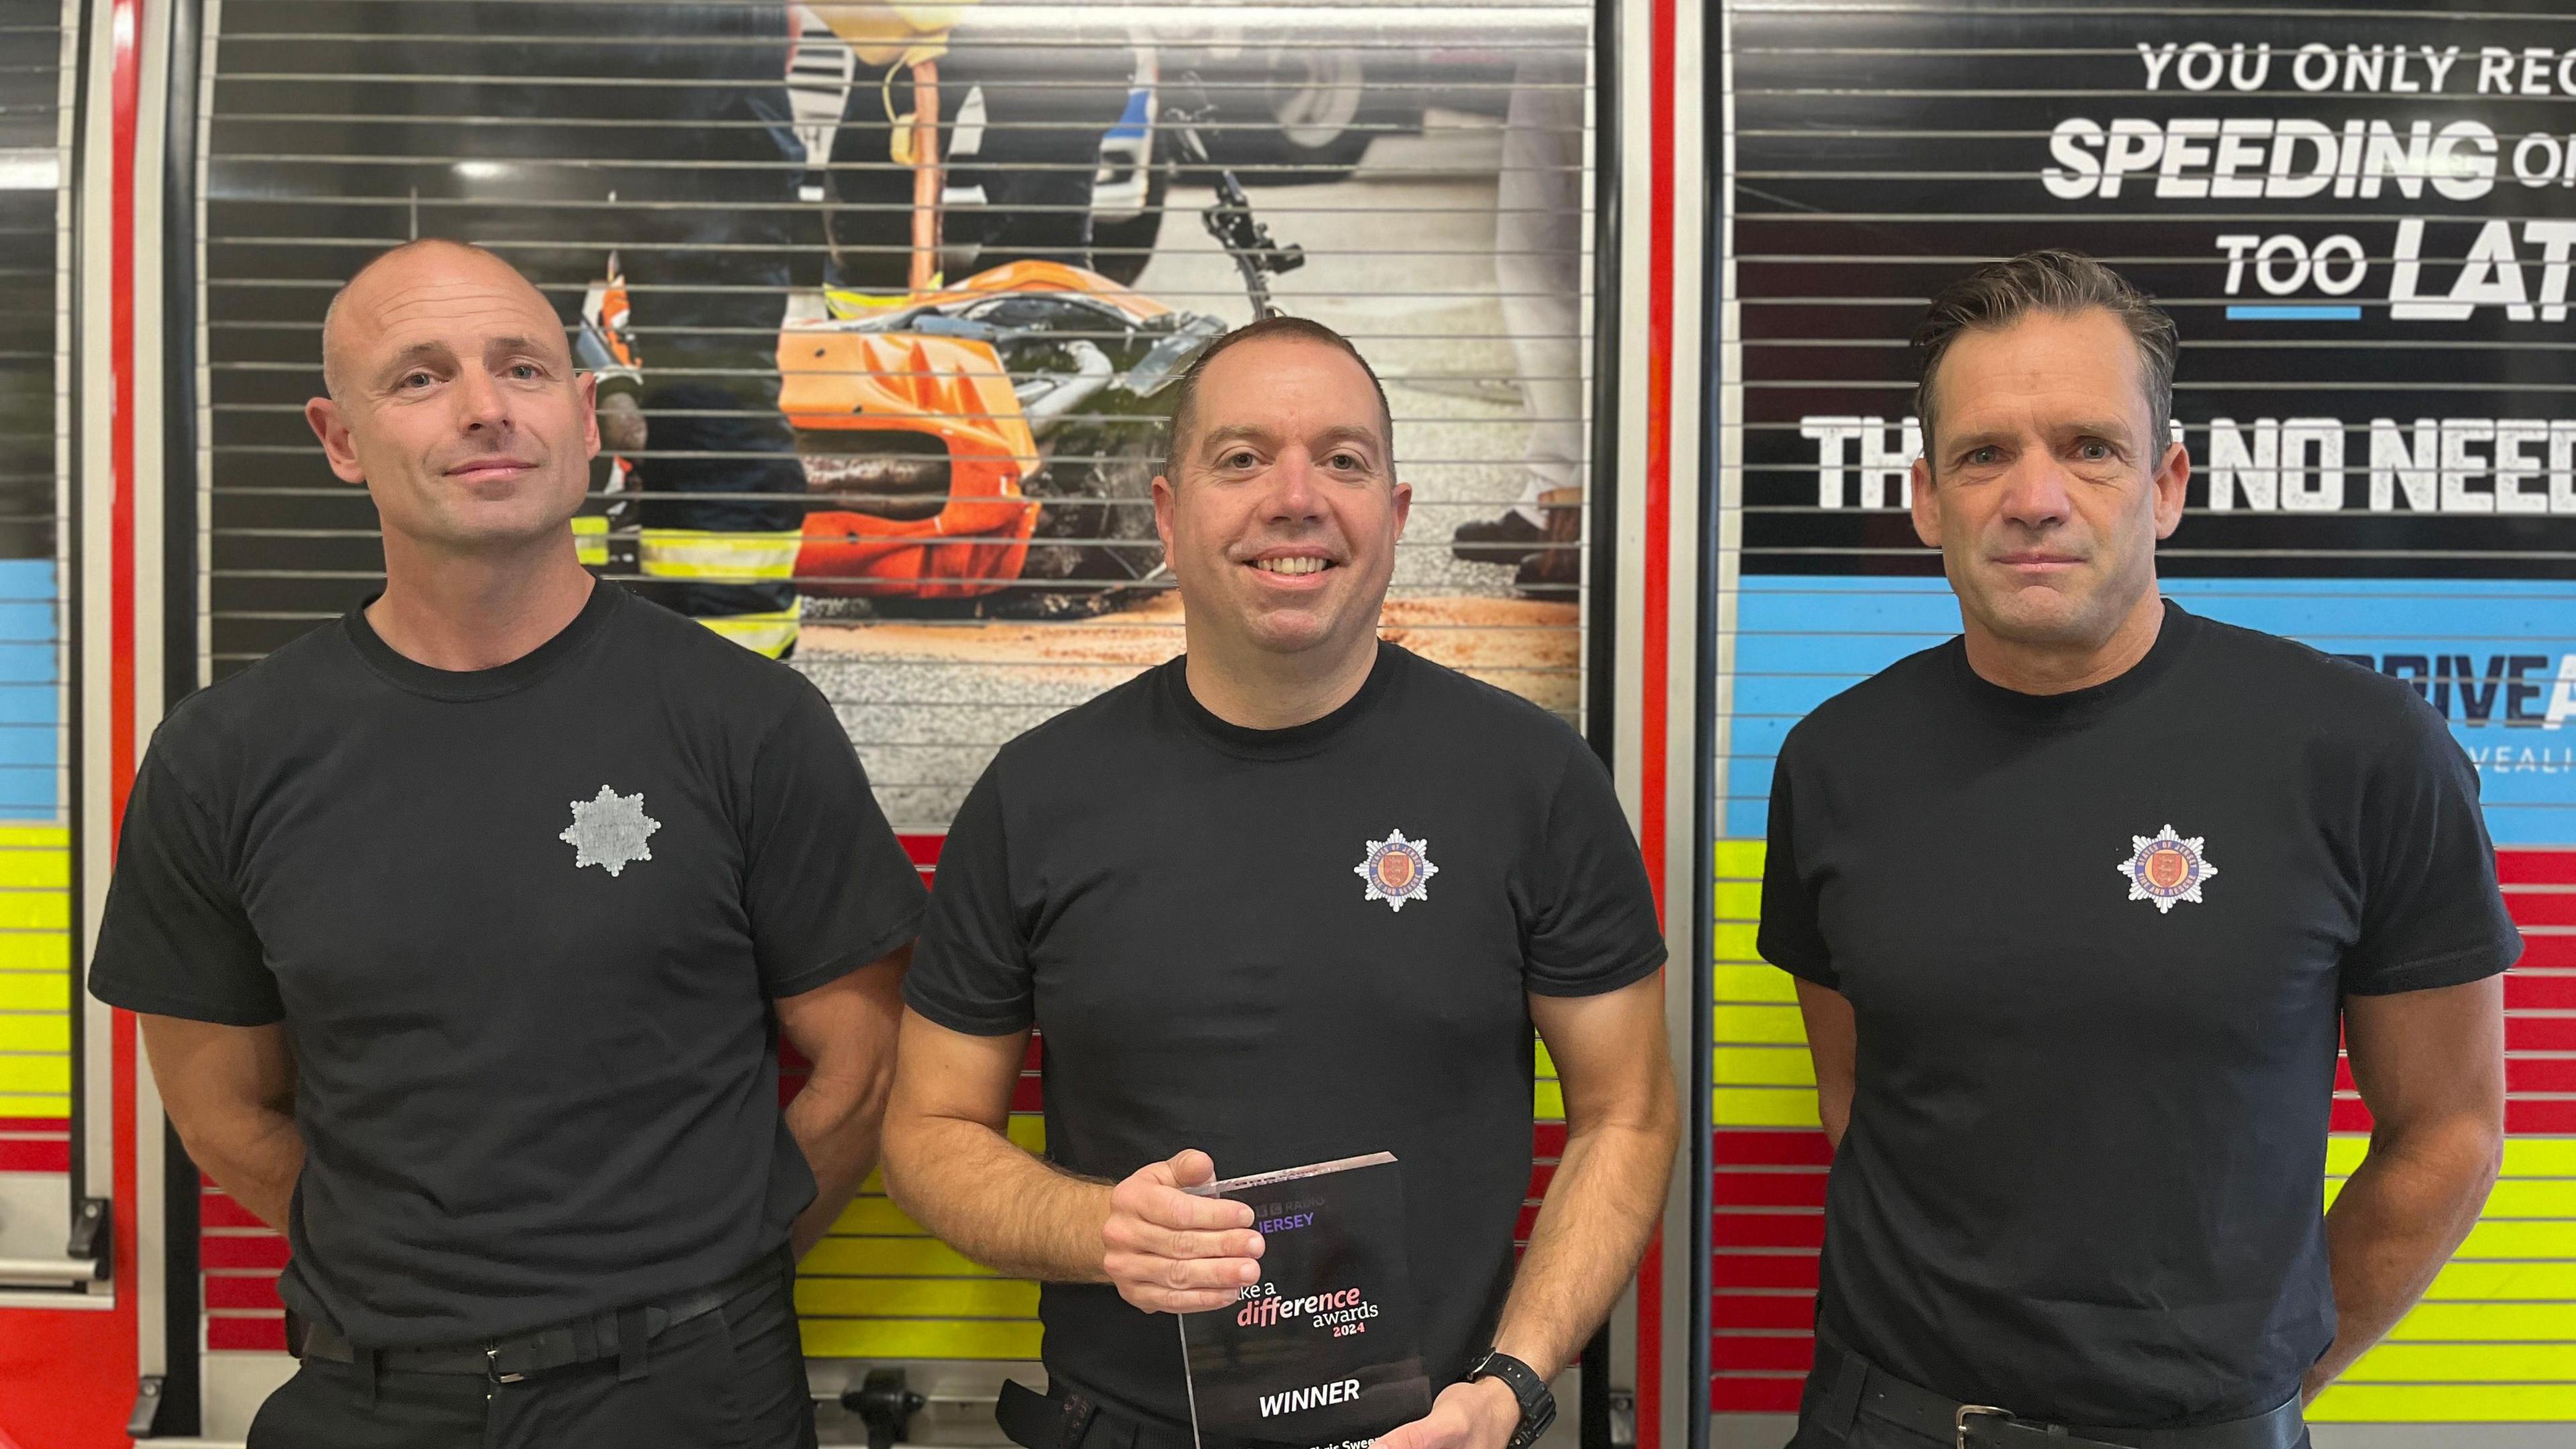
(1867, 1431)
(730, 1379)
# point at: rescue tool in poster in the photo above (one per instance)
(1320, 1354)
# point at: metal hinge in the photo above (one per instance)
(143, 1422)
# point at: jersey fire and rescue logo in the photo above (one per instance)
(1397, 870)
(609, 830)
(2165, 868)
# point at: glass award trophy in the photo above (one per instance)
(1320, 1353)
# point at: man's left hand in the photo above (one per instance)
(1481, 1415)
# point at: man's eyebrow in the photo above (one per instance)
(418, 351)
(1234, 432)
(1350, 433)
(517, 343)
(1969, 442)
(2111, 428)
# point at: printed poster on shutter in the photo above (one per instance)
(2364, 226)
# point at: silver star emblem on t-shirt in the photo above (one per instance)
(609, 830)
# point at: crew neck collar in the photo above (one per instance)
(407, 673)
(1281, 744)
(2077, 707)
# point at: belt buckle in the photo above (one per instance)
(492, 1358)
(1959, 1420)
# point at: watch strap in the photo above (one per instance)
(1538, 1402)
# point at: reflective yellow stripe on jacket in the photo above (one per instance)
(767, 633)
(590, 539)
(703, 556)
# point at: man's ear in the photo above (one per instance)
(2172, 479)
(1927, 507)
(1403, 506)
(1166, 498)
(587, 386)
(323, 415)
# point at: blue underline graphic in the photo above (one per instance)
(2293, 314)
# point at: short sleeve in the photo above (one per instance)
(175, 940)
(971, 971)
(827, 886)
(1791, 935)
(2431, 914)
(1593, 926)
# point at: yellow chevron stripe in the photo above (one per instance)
(2482, 1363)
(890, 1258)
(35, 910)
(1764, 1107)
(2523, 1156)
(35, 951)
(2489, 1323)
(49, 1032)
(1772, 1066)
(2509, 1239)
(2491, 1282)
(2351, 1403)
(1737, 860)
(1753, 984)
(43, 1076)
(35, 1104)
(27, 867)
(920, 1338)
(48, 990)
(1759, 1025)
(915, 1298)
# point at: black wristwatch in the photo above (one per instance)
(1538, 1406)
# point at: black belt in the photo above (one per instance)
(1064, 1416)
(1853, 1385)
(619, 1333)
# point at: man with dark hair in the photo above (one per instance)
(2079, 904)
(1185, 392)
(1212, 892)
(464, 930)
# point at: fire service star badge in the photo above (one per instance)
(609, 831)
(1397, 870)
(2166, 867)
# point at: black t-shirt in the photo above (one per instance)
(523, 926)
(2097, 944)
(1284, 947)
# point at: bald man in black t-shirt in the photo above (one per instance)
(465, 927)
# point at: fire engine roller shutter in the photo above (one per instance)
(1433, 162)
(2344, 425)
(37, 1022)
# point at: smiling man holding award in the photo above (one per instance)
(1289, 906)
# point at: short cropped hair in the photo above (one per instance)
(1185, 395)
(2062, 283)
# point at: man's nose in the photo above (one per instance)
(480, 403)
(2036, 494)
(1292, 487)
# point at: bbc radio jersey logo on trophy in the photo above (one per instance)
(1397, 870)
(2165, 868)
